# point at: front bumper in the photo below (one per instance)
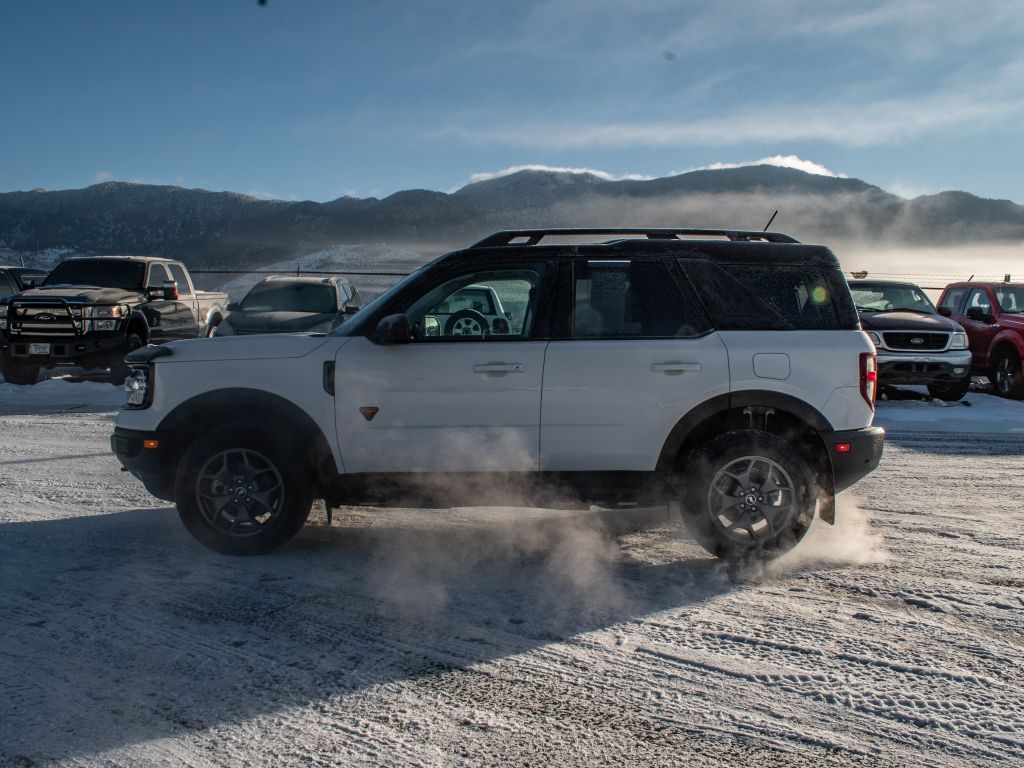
(865, 451)
(148, 462)
(923, 368)
(64, 349)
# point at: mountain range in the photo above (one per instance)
(226, 229)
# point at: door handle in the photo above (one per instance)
(498, 368)
(675, 369)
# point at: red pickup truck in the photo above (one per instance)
(993, 316)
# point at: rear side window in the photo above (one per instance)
(178, 275)
(632, 298)
(761, 297)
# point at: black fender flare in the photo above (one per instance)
(139, 323)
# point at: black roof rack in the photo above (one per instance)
(534, 236)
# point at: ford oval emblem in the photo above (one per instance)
(917, 340)
(45, 316)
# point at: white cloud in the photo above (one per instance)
(782, 161)
(488, 175)
(102, 176)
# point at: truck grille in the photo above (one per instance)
(43, 319)
(915, 341)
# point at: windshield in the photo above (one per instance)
(354, 320)
(1011, 299)
(290, 297)
(883, 297)
(103, 273)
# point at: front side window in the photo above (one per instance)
(630, 298)
(490, 304)
(979, 299)
(158, 276)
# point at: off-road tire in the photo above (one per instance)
(766, 459)
(950, 391)
(119, 369)
(1006, 375)
(219, 515)
(18, 373)
(466, 318)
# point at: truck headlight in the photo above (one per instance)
(116, 311)
(875, 339)
(136, 384)
(959, 340)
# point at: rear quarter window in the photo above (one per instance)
(771, 297)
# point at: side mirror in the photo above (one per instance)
(29, 281)
(170, 290)
(153, 293)
(979, 315)
(394, 329)
(945, 311)
(232, 306)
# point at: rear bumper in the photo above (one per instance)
(148, 464)
(865, 451)
(922, 368)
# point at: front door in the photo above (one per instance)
(464, 394)
(979, 333)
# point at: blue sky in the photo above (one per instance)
(313, 100)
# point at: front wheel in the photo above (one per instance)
(17, 373)
(950, 391)
(748, 494)
(240, 491)
(1006, 375)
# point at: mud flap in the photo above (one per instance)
(827, 508)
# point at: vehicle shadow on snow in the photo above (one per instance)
(120, 629)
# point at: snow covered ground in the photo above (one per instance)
(511, 637)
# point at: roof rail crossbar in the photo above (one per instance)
(534, 236)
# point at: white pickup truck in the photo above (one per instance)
(724, 370)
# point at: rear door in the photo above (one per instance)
(636, 353)
(196, 323)
(463, 396)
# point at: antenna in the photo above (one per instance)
(770, 221)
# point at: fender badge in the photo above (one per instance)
(369, 411)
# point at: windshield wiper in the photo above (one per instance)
(908, 309)
(867, 309)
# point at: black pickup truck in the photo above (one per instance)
(91, 311)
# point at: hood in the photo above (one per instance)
(279, 322)
(83, 294)
(906, 321)
(279, 347)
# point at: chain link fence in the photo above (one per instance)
(237, 283)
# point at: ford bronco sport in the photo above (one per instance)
(724, 370)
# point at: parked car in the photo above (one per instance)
(722, 370)
(91, 311)
(16, 279)
(916, 344)
(284, 304)
(993, 316)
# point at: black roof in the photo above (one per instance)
(723, 246)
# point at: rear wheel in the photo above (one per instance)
(20, 373)
(950, 390)
(748, 494)
(1006, 375)
(239, 490)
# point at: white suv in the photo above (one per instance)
(725, 370)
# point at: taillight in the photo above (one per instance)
(869, 377)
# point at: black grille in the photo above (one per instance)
(915, 341)
(43, 319)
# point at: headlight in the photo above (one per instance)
(116, 311)
(136, 384)
(875, 338)
(959, 340)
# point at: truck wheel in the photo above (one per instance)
(17, 373)
(950, 390)
(240, 491)
(1006, 375)
(748, 494)
(119, 369)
